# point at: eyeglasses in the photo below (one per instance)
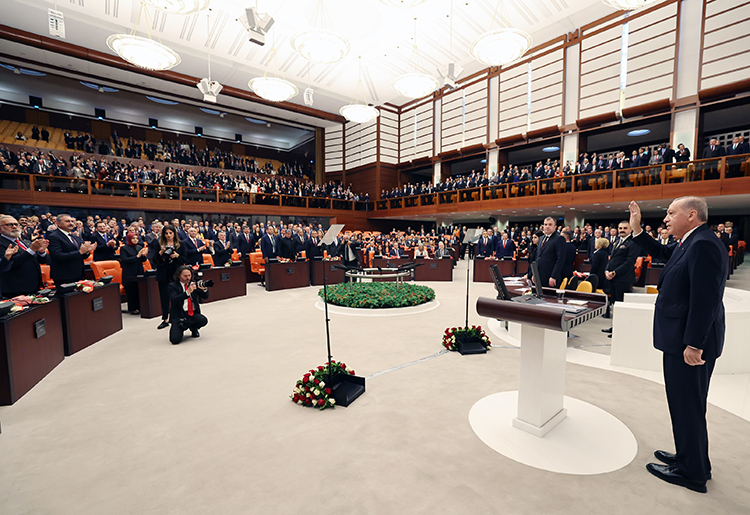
(12, 224)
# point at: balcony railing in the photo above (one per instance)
(97, 188)
(703, 170)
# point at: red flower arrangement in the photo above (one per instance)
(311, 390)
(475, 331)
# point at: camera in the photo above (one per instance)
(169, 250)
(204, 284)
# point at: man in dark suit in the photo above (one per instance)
(334, 247)
(713, 150)
(268, 244)
(311, 247)
(591, 243)
(105, 243)
(286, 245)
(729, 238)
(395, 251)
(193, 248)
(505, 247)
(569, 256)
(550, 255)
(689, 329)
(21, 272)
(222, 250)
(620, 271)
(185, 305)
(350, 252)
(300, 242)
(246, 242)
(484, 245)
(67, 251)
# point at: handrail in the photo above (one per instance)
(97, 188)
(698, 170)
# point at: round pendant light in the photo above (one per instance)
(143, 52)
(179, 6)
(630, 5)
(501, 46)
(320, 46)
(359, 113)
(273, 88)
(415, 85)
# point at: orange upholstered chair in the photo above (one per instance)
(208, 259)
(256, 263)
(102, 268)
(48, 283)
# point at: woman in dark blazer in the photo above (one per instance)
(168, 260)
(533, 247)
(132, 256)
(599, 260)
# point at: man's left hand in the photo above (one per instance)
(609, 275)
(39, 245)
(693, 356)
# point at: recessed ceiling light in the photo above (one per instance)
(162, 101)
(550, 149)
(103, 89)
(639, 132)
(596, 204)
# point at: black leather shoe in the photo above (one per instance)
(669, 459)
(606, 315)
(609, 336)
(164, 324)
(607, 330)
(669, 474)
(195, 334)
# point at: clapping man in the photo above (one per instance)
(67, 252)
(21, 259)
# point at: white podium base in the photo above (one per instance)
(588, 441)
(546, 428)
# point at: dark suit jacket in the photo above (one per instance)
(485, 249)
(506, 251)
(66, 263)
(334, 248)
(131, 264)
(222, 254)
(622, 262)
(599, 264)
(244, 246)
(102, 252)
(395, 252)
(299, 244)
(689, 309)
(190, 252)
(550, 259)
(286, 248)
(718, 151)
(166, 266)
(267, 248)
(21, 275)
(681, 157)
(178, 296)
(569, 260)
(312, 249)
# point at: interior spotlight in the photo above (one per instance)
(257, 25)
(210, 89)
(449, 74)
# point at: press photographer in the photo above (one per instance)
(185, 294)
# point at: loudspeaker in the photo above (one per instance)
(238, 138)
(198, 131)
(36, 102)
(99, 113)
(153, 122)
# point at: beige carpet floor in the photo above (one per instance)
(134, 425)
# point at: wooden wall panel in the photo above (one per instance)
(334, 149)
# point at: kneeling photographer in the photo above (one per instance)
(185, 294)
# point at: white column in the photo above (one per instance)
(689, 48)
(436, 173)
(437, 124)
(570, 148)
(502, 223)
(572, 79)
(492, 157)
(684, 130)
(573, 218)
(493, 131)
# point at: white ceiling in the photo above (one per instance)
(381, 35)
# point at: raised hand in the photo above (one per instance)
(635, 216)
(10, 251)
(39, 245)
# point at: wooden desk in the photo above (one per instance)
(90, 317)
(27, 355)
(333, 275)
(522, 265)
(281, 276)
(652, 275)
(434, 270)
(580, 258)
(482, 269)
(229, 282)
(148, 295)
(395, 263)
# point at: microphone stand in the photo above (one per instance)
(468, 272)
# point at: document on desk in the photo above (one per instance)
(562, 307)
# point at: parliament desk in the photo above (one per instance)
(250, 276)
(333, 275)
(229, 282)
(281, 276)
(90, 317)
(31, 346)
(522, 265)
(652, 274)
(148, 296)
(434, 270)
(482, 269)
(580, 258)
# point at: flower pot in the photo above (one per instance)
(345, 388)
(470, 345)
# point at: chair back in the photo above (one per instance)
(208, 259)
(113, 268)
(651, 289)
(585, 286)
(638, 267)
(564, 283)
(235, 255)
(147, 265)
(48, 283)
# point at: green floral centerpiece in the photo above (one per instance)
(377, 295)
(475, 332)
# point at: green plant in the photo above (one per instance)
(475, 331)
(311, 390)
(378, 295)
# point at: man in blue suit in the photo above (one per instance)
(689, 329)
(268, 244)
(550, 256)
(67, 251)
(504, 248)
(484, 245)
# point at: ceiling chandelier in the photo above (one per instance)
(402, 4)
(143, 52)
(630, 5)
(415, 84)
(501, 46)
(179, 6)
(319, 43)
(274, 89)
(356, 112)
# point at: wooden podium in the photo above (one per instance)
(544, 329)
